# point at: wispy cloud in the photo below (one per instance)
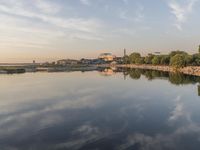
(47, 6)
(125, 1)
(85, 25)
(181, 11)
(22, 14)
(137, 16)
(86, 2)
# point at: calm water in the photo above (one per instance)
(134, 110)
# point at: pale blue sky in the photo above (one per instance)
(53, 29)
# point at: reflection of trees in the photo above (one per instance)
(135, 73)
(179, 78)
(148, 75)
(174, 78)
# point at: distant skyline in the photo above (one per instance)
(46, 30)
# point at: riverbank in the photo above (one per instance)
(189, 70)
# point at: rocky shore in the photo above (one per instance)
(190, 70)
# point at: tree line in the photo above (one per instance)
(176, 59)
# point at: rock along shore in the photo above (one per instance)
(190, 70)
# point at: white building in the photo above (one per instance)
(107, 57)
(67, 62)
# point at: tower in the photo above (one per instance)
(124, 52)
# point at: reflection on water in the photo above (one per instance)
(107, 72)
(199, 90)
(87, 111)
(174, 78)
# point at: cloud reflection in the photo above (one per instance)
(97, 113)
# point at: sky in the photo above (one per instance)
(47, 30)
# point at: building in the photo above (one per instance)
(85, 61)
(107, 57)
(119, 60)
(98, 61)
(64, 62)
(157, 53)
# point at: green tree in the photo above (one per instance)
(148, 59)
(156, 60)
(196, 59)
(188, 60)
(133, 57)
(173, 53)
(164, 60)
(139, 60)
(178, 61)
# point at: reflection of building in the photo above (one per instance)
(67, 62)
(107, 57)
(107, 72)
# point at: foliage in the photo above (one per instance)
(173, 53)
(156, 60)
(196, 59)
(133, 57)
(178, 61)
(164, 60)
(139, 60)
(148, 59)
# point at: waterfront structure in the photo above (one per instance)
(107, 57)
(157, 53)
(85, 61)
(119, 60)
(64, 62)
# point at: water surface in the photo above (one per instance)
(136, 109)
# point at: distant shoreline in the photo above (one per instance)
(189, 70)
